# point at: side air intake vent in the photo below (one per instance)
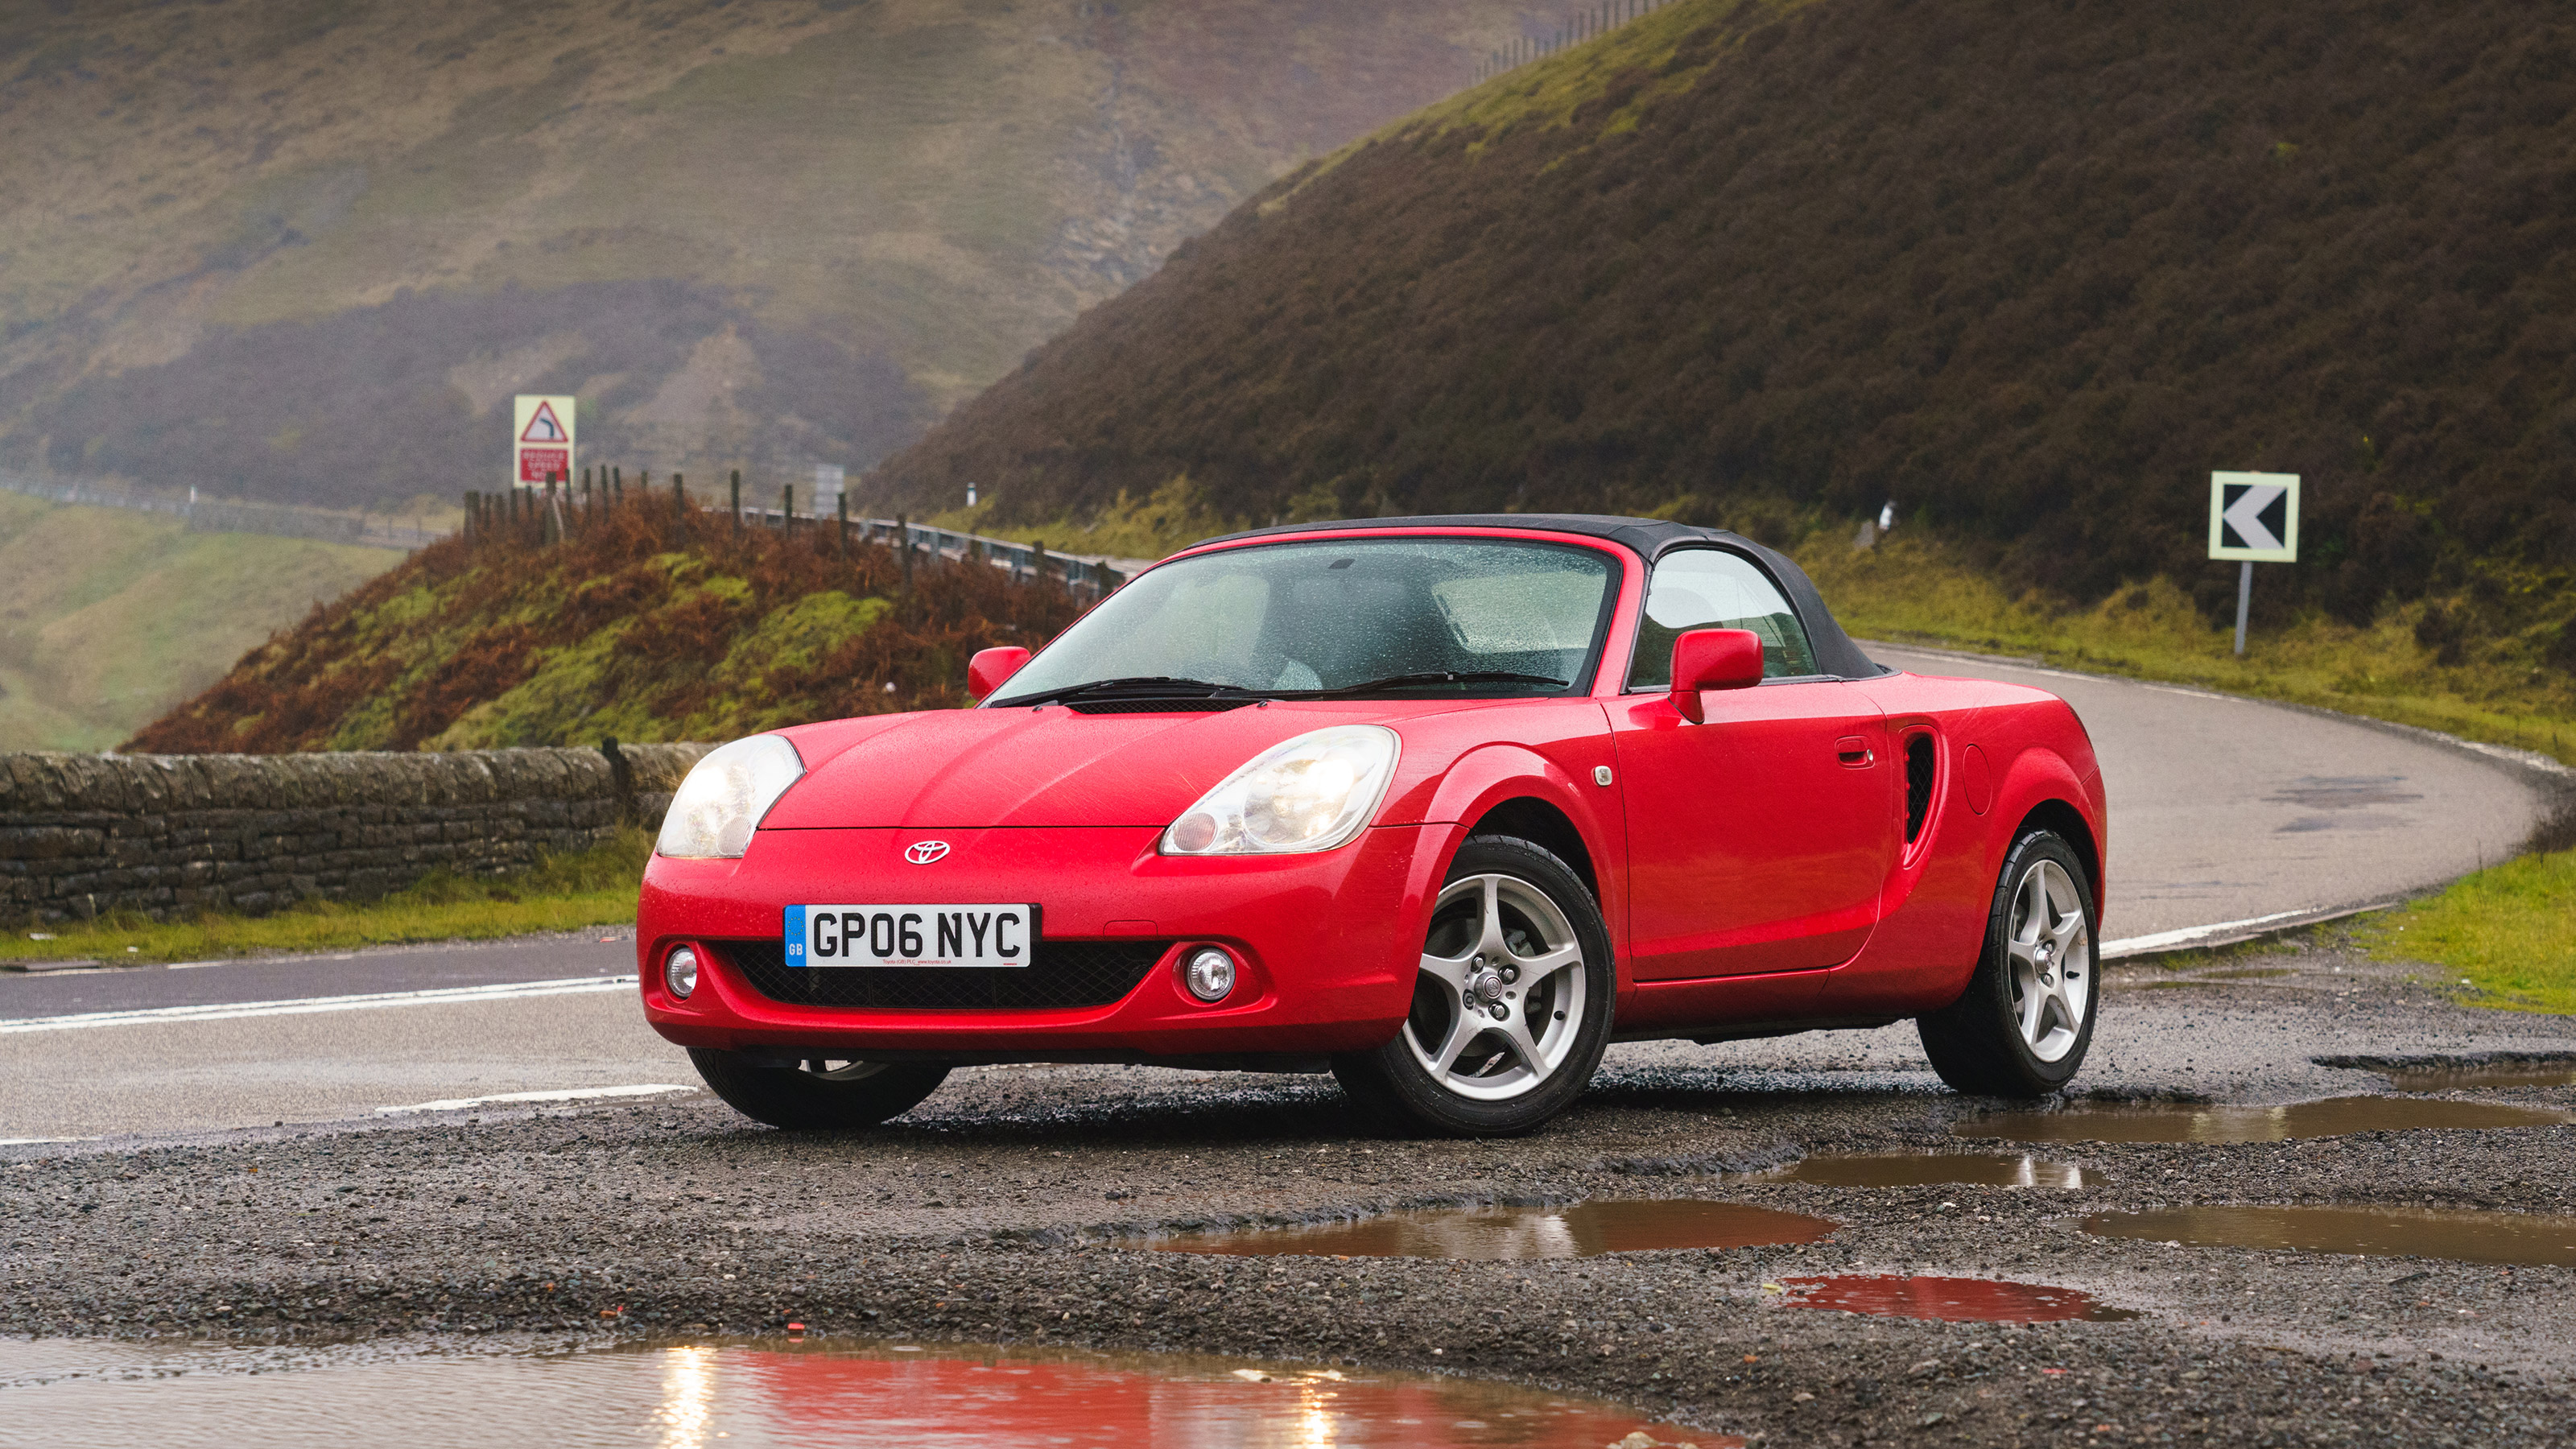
(1919, 769)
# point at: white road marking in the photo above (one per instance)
(576, 1094)
(2189, 935)
(2193, 933)
(2199, 694)
(302, 1006)
(38, 1141)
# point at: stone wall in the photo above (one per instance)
(81, 835)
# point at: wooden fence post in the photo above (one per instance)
(616, 485)
(845, 523)
(787, 510)
(903, 541)
(680, 503)
(737, 500)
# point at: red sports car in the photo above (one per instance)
(1442, 805)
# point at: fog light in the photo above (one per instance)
(680, 972)
(1210, 974)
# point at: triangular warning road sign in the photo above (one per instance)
(544, 428)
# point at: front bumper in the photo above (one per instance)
(1327, 944)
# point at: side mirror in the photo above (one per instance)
(1712, 659)
(990, 669)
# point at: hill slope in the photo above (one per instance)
(108, 618)
(2029, 269)
(306, 250)
(642, 626)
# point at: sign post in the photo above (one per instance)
(2253, 518)
(541, 440)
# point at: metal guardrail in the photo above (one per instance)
(1025, 562)
(226, 515)
(558, 508)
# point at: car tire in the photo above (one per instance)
(816, 1095)
(1515, 929)
(2022, 1027)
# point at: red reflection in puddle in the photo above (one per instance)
(936, 1399)
(765, 1395)
(1950, 1300)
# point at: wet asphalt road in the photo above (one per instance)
(1007, 1208)
(451, 966)
(249, 1043)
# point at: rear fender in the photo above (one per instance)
(1926, 949)
(2035, 777)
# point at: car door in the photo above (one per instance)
(1758, 839)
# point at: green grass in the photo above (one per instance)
(2506, 934)
(595, 887)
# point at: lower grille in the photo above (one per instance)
(1060, 974)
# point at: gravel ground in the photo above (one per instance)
(1010, 1208)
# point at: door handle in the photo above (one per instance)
(1854, 752)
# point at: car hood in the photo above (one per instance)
(960, 769)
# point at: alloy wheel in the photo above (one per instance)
(1500, 995)
(2051, 944)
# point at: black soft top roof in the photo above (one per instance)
(1651, 538)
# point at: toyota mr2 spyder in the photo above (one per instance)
(1444, 806)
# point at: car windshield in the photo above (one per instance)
(1393, 614)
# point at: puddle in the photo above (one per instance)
(2523, 1239)
(1577, 1230)
(1949, 1300)
(2492, 1074)
(2186, 1122)
(1926, 1169)
(749, 1395)
(2250, 973)
(2435, 1074)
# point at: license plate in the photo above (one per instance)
(948, 935)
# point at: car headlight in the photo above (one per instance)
(1310, 793)
(717, 807)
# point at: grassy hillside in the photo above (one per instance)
(306, 250)
(108, 617)
(2031, 270)
(644, 625)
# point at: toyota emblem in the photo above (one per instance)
(923, 852)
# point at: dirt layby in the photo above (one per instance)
(1797, 1241)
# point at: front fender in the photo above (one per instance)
(1561, 778)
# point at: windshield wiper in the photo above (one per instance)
(1434, 676)
(1143, 686)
